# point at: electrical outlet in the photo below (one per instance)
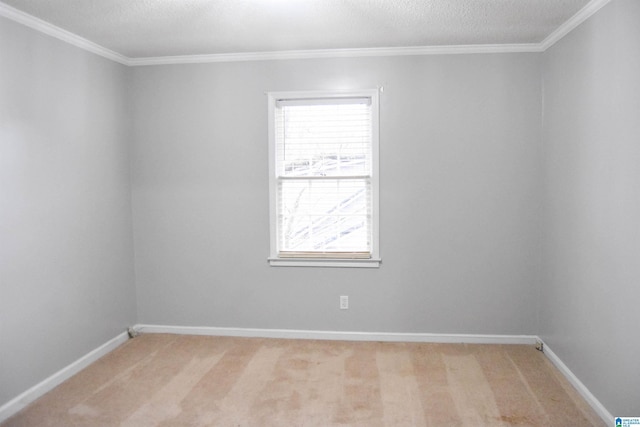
(344, 302)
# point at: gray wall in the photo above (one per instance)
(460, 197)
(66, 269)
(591, 292)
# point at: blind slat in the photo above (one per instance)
(308, 102)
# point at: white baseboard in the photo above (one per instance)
(16, 404)
(582, 389)
(339, 335)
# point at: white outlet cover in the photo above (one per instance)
(344, 302)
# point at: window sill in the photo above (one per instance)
(315, 262)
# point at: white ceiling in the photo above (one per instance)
(161, 28)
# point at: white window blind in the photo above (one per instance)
(324, 177)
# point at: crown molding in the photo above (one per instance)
(583, 14)
(57, 32)
(337, 53)
(82, 43)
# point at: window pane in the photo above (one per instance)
(324, 140)
(324, 215)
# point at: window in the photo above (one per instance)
(323, 166)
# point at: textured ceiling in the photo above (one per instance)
(151, 28)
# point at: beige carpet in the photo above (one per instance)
(174, 380)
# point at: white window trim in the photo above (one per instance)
(274, 259)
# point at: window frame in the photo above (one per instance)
(274, 259)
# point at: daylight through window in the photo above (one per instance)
(324, 178)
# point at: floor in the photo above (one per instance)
(181, 380)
